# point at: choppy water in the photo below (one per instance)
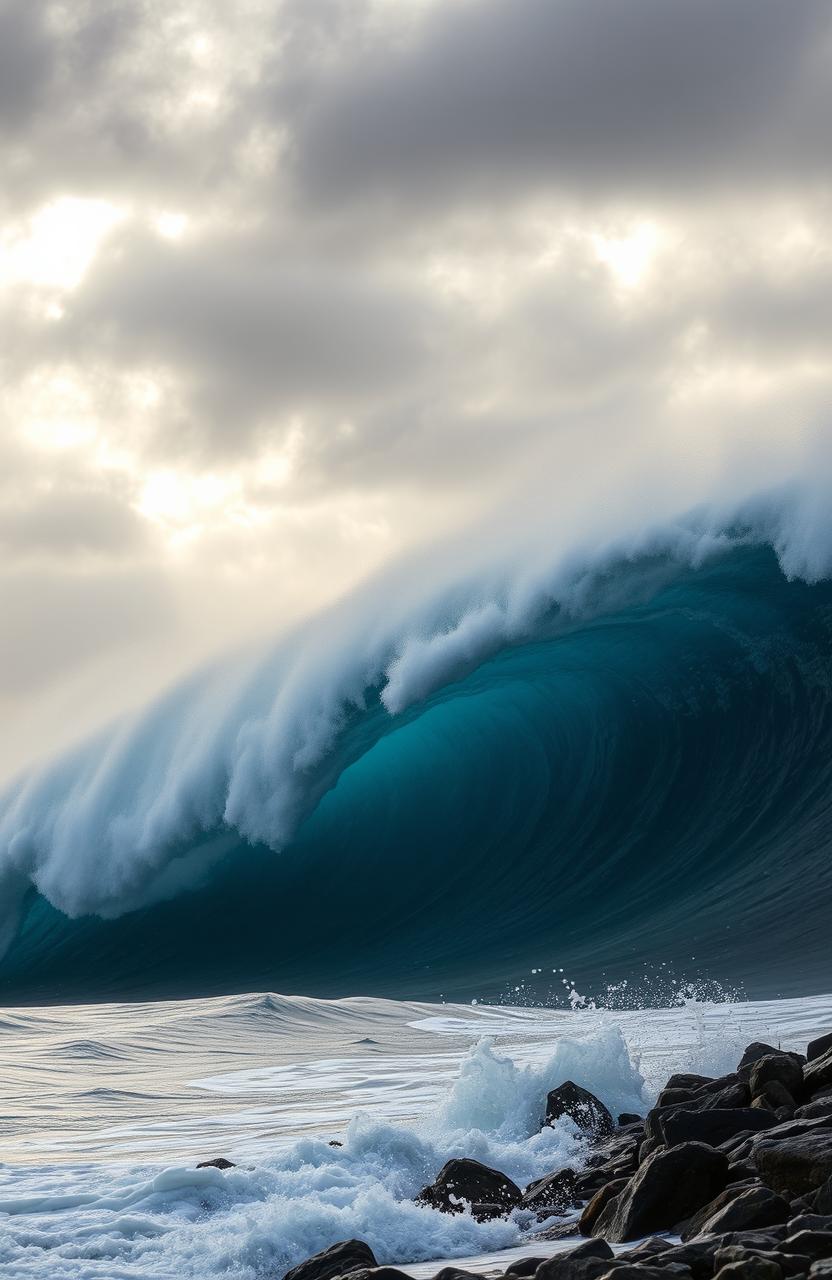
(107, 1109)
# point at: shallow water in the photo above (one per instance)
(109, 1108)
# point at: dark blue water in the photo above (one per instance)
(651, 788)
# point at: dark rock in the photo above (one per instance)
(669, 1186)
(486, 1211)
(557, 1191)
(821, 1270)
(564, 1267)
(817, 1074)
(714, 1126)
(524, 1267)
(455, 1273)
(779, 1067)
(755, 1240)
(818, 1047)
(814, 1110)
(461, 1182)
(669, 1097)
(644, 1271)
(736, 1094)
(795, 1165)
(598, 1203)
(813, 1244)
(333, 1142)
(809, 1222)
(741, 1172)
(219, 1162)
(749, 1210)
(627, 1118)
(788, 1265)
(561, 1231)
(696, 1254)
(591, 1249)
(380, 1273)
(686, 1080)
(750, 1269)
(754, 1052)
(822, 1199)
(338, 1260)
(649, 1248)
(582, 1107)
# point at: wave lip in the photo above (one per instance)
(494, 779)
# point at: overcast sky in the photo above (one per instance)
(289, 286)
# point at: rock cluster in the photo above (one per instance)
(727, 1178)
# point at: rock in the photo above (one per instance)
(582, 1107)
(795, 1165)
(598, 1203)
(591, 1249)
(455, 1273)
(697, 1254)
(817, 1074)
(381, 1273)
(467, 1182)
(750, 1268)
(813, 1244)
(648, 1248)
(333, 1142)
(747, 1211)
(779, 1067)
(338, 1260)
(821, 1270)
(644, 1271)
(219, 1162)
(564, 1267)
(809, 1222)
(627, 1118)
(714, 1126)
(561, 1231)
(735, 1094)
(814, 1110)
(670, 1097)
(754, 1052)
(822, 1199)
(670, 1186)
(524, 1267)
(557, 1191)
(775, 1093)
(818, 1047)
(487, 1211)
(736, 1253)
(686, 1080)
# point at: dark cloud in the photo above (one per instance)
(493, 99)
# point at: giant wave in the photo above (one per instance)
(486, 772)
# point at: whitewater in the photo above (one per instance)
(108, 1109)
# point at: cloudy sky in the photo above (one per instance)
(289, 286)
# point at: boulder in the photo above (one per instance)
(338, 1260)
(750, 1268)
(644, 1271)
(775, 1093)
(564, 1267)
(698, 1255)
(556, 1192)
(686, 1080)
(821, 1270)
(779, 1067)
(523, 1267)
(598, 1203)
(627, 1118)
(745, 1210)
(812, 1244)
(581, 1106)
(818, 1047)
(467, 1182)
(754, 1052)
(714, 1126)
(219, 1162)
(814, 1110)
(591, 1249)
(795, 1165)
(669, 1187)
(817, 1074)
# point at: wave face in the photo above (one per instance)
(620, 762)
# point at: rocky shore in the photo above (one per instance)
(728, 1178)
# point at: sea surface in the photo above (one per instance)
(107, 1109)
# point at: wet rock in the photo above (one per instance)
(814, 1110)
(775, 1093)
(598, 1203)
(649, 1248)
(646, 1271)
(466, 1182)
(751, 1268)
(754, 1052)
(219, 1162)
(817, 1074)
(456, 1273)
(561, 1231)
(582, 1107)
(557, 1192)
(628, 1118)
(380, 1273)
(818, 1047)
(338, 1260)
(821, 1270)
(687, 1080)
(813, 1244)
(749, 1210)
(795, 1165)
(776, 1067)
(714, 1126)
(592, 1249)
(809, 1222)
(698, 1255)
(564, 1267)
(524, 1267)
(669, 1187)
(670, 1097)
